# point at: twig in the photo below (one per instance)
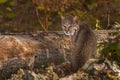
(40, 20)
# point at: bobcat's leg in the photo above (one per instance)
(89, 63)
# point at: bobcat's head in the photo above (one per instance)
(69, 25)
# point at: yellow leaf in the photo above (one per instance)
(41, 7)
(3, 1)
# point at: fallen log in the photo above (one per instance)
(39, 50)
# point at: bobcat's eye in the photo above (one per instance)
(64, 26)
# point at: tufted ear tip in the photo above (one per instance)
(62, 17)
(75, 18)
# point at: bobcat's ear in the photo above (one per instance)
(75, 18)
(62, 17)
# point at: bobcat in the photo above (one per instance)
(83, 40)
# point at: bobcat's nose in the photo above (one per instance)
(67, 29)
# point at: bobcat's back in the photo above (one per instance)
(84, 46)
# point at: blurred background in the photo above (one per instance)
(37, 15)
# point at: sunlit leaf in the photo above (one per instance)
(41, 7)
(93, 5)
(3, 1)
(11, 15)
(12, 3)
(60, 12)
(8, 9)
